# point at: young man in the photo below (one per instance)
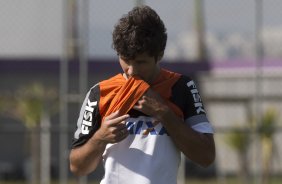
(138, 122)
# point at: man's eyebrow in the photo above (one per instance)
(140, 60)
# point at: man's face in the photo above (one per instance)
(143, 65)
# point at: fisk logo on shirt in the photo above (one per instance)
(88, 116)
(197, 98)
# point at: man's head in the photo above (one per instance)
(138, 32)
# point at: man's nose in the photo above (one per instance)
(132, 70)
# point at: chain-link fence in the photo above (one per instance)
(241, 87)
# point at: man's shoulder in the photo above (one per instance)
(95, 87)
(184, 80)
(113, 79)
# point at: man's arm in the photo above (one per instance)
(198, 147)
(85, 159)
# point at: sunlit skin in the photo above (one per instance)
(143, 65)
(196, 146)
(147, 68)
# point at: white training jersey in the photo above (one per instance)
(142, 158)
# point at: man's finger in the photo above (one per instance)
(136, 107)
(118, 120)
(112, 116)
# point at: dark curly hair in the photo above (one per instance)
(140, 31)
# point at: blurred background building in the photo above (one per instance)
(53, 51)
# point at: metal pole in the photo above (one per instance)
(200, 29)
(63, 142)
(83, 46)
(63, 138)
(45, 149)
(258, 95)
(83, 54)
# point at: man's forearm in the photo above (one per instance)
(86, 158)
(196, 146)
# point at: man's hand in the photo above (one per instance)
(113, 128)
(152, 104)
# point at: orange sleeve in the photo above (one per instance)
(122, 96)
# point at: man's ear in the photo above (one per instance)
(160, 56)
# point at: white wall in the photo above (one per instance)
(31, 28)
